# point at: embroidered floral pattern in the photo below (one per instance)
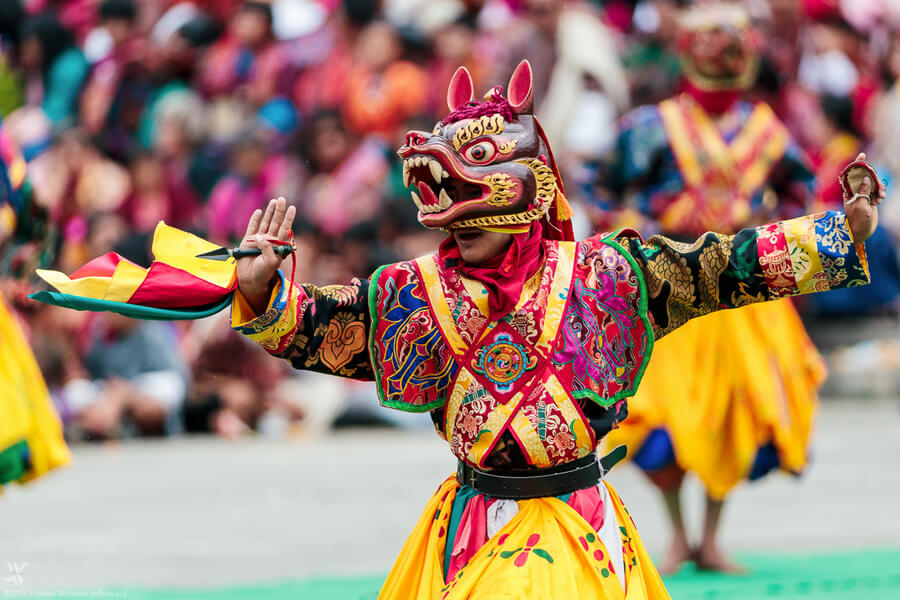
(809, 254)
(413, 364)
(343, 337)
(470, 420)
(603, 339)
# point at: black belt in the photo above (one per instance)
(541, 483)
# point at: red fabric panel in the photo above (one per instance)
(102, 266)
(471, 535)
(168, 287)
(589, 504)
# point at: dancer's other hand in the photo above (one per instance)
(862, 206)
(256, 274)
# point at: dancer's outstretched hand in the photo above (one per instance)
(863, 192)
(256, 274)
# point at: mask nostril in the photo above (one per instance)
(414, 138)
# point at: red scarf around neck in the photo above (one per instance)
(715, 102)
(503, 276)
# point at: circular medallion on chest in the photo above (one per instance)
(503, 362)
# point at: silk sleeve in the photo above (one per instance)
(813, 253)
(322, 329)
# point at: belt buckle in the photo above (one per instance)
(466, 475)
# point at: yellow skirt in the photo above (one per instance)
(547, 550)
(725, 385)
(31, 438)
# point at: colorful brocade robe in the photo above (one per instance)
(541, 386)
(580, 333)
(688, 173)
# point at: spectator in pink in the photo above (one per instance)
(256, 175)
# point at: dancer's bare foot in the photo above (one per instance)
(679, 553)
(710, 558)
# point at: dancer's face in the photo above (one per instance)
(478, 246)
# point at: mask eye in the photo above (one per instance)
(480, 152)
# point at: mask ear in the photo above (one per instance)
(521, 88)
(461, 90)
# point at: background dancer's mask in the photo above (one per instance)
(719, 46)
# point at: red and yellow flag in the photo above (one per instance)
(176, 280)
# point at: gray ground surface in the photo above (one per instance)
(203, 511)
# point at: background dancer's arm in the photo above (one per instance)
(316, 328)
(814, 253)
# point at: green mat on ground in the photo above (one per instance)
(869, 575)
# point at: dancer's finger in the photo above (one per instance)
(287, 223)
(267, 217)
(277, 216)
(268, 252)
(252, 226)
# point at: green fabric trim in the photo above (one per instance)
(406, 407)
(13, 462)
(642, 313)
(395, 404)
(460, 502)
(373, 315)
(135, 311)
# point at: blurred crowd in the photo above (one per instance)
(196, 112)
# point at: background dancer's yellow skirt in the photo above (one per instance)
(31, 439)
(723, 387)
(547, 550)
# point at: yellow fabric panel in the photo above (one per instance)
(713, 143)
(643, 580)
(14, 415)
(418, 573)
(431, 281)
(757, 172)
(762, 122)
(528, 436)
(264, 331)
(477, 292)
(91, 287)
(538, 554)
(125, 281)
(556, 302)
(496, 422)
(566, 405)
(800, 234)
(464, 379)
(180, 249)
(761, 135)
(676, 131)
(26, 410)
(743, 145)
(724, 385)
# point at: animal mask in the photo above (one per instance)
(487, 164)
